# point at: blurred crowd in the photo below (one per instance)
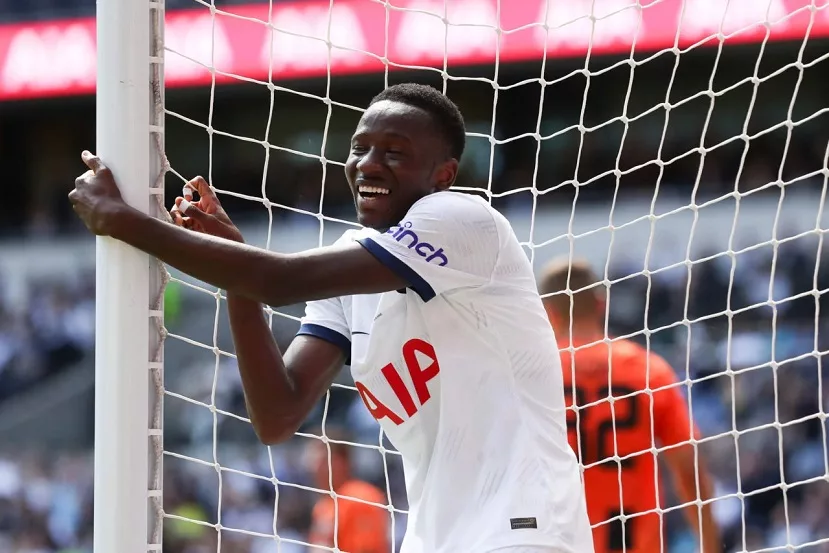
(53, 331)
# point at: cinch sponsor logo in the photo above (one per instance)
(404, 234)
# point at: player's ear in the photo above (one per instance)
(601, 307)
(445, 174)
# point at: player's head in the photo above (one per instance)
(339, 468)
(583, 305)
(407, 145)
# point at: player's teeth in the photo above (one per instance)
(373, 190)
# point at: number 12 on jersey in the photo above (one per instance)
(595, 428)
(596, 425)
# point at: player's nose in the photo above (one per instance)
(370, 165)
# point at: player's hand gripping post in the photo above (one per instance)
(96, 198)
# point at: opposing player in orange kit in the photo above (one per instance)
(615, 440)
(357, 522)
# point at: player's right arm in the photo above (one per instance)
(674, 429)
(685, 468)
(280, 390)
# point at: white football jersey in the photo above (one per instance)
(462, 371)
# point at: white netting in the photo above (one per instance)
(691, 179)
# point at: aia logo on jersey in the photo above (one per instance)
(404, 234)
(419, 374)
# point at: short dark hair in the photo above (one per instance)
(564, 282)
(444, 112)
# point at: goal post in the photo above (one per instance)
(127, 484)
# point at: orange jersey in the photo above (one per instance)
(361, 528)
(633, 423)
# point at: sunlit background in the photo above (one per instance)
(679, 146)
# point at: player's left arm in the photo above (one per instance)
(675, 430)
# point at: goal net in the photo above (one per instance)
(679, 146)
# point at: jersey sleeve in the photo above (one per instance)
(326, 319)
(446, 241)
(672, 422)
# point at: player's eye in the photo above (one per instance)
(359, 150)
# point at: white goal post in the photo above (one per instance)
(129, 284)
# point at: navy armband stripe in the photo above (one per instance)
(415, 281)
(329, 335)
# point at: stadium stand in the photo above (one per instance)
(46, 330)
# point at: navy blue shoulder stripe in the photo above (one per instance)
(329, 335)
(416, 282)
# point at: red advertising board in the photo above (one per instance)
(58, 57)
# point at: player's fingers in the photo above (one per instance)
(92, 161)
(175, 214)
(80, 181)
(184, 222)
(200, 185)
(188, 190)
(176, 205)
(192, 224)
(192, 210)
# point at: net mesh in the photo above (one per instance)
(661, 254)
